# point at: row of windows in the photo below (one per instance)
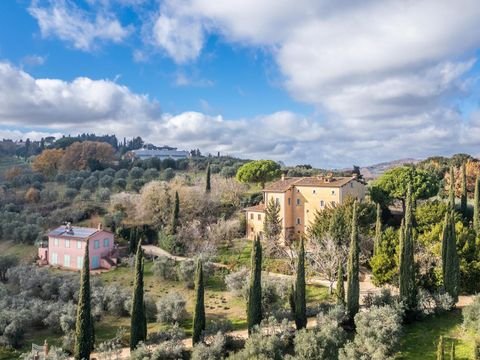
(96, 243)
(66, 260)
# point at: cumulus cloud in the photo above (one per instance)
(70, 23)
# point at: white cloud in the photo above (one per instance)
(33, 60)
(70, 23)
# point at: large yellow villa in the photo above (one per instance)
(299, 199)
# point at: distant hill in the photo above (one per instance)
(374, 171)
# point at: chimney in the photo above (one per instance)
(100, 226)
(283, 177)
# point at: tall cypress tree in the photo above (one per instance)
(463, 197)
(176, 213)
(378, 230)
(254, 305)
(84, 332)
(199, 316)
(450, 260)
(300, 299)
(353, 283)
(340, 290)
(476, 205)
(132, 242)
(208, 185)
(408, 289)
(451, 192)
(138, 326)
(452, 351)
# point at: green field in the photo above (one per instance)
(420, 339)
(7, 162)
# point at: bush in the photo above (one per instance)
(120, 184)
(378, 334)
(171, 308)
(150, 174)
(471, 315)
(103, 194)
(106, 181)
(186, 273)
(214, 351)
(384, 298)
(136, 173)
(70, 193)
(167, 174)
(237, 281)
(164, 268)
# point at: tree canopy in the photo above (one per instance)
(393, 184)
(258, 171)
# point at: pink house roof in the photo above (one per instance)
(73, 232)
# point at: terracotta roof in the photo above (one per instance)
(323, 182)
(257, 208)
(285, 184)
(281, 185)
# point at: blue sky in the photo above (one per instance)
(331, 84)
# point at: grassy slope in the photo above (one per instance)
(420, 339)
(7, 162)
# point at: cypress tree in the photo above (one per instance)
(291, 299)
(207, 185)
(84, 332)
(254, 304)
(176, 213)
(452, 351)
(476, 204)
(441, 349)
(300, 299)
(353, 284)
(463, 197)
(132, 243)
(138, 327)
(407, 285)
(451, 192)
(340, 291)
(450, 260)
(378, 230)
(199, 316)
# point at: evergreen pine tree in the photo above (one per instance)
(340, 291)
(450, 259)
(451, 192)
(463, 197)
(176, 213)
(138, 327)
(199, 316)
(378, 230)
(84, 332)
(408, 289)
(254, 304)
(353, 284)
(300, 299)
(441, 349)
(208, 185)
(476, 205)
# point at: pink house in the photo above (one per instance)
(66, 247)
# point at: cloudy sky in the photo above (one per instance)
(330, 83)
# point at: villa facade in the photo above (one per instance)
(67, 244)
(299, 199)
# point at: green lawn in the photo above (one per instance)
(420, 339)
(26, 253)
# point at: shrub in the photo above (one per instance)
(378, 334)
(471, 315)
(120, 184)
(214, 351)
(150, 174)
(70, 193)
(186, 272)
(136, 173)
(169, 350)
(171, 308)
(164, 268)
(384, 298)
(167, 174)
(237, 281)
(106, 181)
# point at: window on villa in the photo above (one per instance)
(251, 216)
(314, 191)
(351, 184)
(298, 190)
(96, 244)
(106, 242)
(79, 244)
(298, 201)
(322, 203)
(288, 201)
(259, 217)
(298, 221)
(67, 243)
(333, 192)
(56, 242)
(251, 229)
